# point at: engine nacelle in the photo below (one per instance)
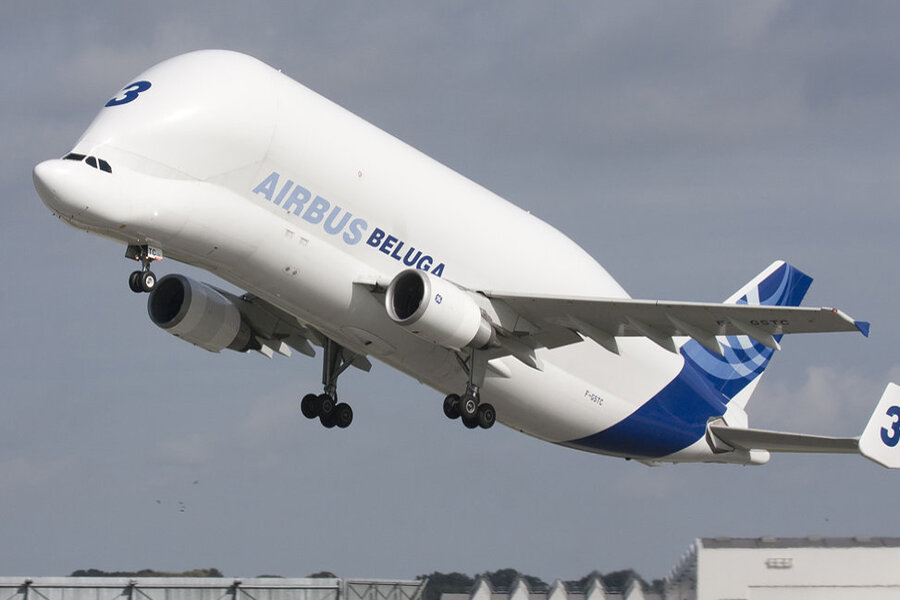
(437, 310)
(199, 314)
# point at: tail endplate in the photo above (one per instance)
(880, 441)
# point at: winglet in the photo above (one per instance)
(863, 327)
(880, 441)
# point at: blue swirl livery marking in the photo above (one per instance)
(677, 415)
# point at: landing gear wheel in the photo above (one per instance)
(328, 420)
(468, 406)
(134, 282)
(486, 416)
(148, 281)
(470, 423)
(343, 415)
(309, 406)
(326, 405)
(451, 406)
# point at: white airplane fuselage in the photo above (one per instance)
(229, 165)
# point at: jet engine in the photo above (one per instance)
(199, 314)
(437, 311)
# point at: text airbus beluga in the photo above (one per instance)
(346, 238)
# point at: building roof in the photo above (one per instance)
(800, 542)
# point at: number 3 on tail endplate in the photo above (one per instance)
(891, 436)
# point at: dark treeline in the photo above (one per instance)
(194, 573)
(146, 573)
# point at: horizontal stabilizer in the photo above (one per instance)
(779, 441)
(879, 442)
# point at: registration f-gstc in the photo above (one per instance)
(348, 239)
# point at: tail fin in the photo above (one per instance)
(736, 372)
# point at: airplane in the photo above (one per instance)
(344, 237)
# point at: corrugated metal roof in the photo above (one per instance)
(801, 542)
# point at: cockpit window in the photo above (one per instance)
(92, 161)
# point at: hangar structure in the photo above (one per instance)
(768, 568)
(206, 588)
(520, 590)
(720, 568)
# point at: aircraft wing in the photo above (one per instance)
(605, 319)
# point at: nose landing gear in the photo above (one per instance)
(143, 280)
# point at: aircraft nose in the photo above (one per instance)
(50, 179)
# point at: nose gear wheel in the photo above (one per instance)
(144, 280)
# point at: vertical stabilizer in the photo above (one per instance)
(736, 372)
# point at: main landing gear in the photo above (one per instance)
(325, 406)
(469, 407)
(143, 280)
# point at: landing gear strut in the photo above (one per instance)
(325, 406)
(143, 280)
(468, 407)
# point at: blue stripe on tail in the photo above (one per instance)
(744, 358)
(676, 417)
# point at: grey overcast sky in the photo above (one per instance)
(685, 145)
